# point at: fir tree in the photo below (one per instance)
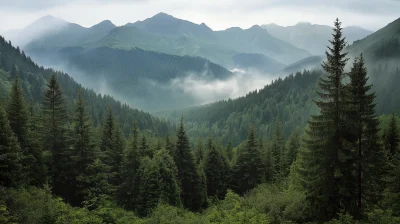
(55, 137)
(18, 113)
(392, 137)
(144, 148)
(278, 150)
(249, 170)
(215, 169)
(326, 172)
(199, 151)
(149, 187)
(128, 191)
(169, 185)
(371, 159)
(187, 172)
(292, 147)
(10, 154)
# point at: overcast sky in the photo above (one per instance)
(217, 14)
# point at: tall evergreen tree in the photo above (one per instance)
(17, 112)
(128, 190)
(55, 137)
(392, 137)
(327, 168)
(10, 154)
(215, 169)
(144, 148)
(292, 147)
(169, 185)
(278, 150)
(249, 170)
(83, 155)
(199, 151)
(187, 172)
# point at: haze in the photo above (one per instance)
(369, 14)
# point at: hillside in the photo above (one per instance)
(143, 79)
(306, 63)
(257, 62)
(34, 78)
(313, 37)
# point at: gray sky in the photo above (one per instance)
(217, 14)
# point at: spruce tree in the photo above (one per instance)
(371, 158)
(128, 190)
(392, 137)
(83, 155)
(187, 172)
(18, 116)
(10, 154)
(215, 169)
(328, 160)
(149, 186)
(144, 148)
(249, 170)
(292, 147)
(278, 151)
(55, 137)
(169, 185)
(199, 151)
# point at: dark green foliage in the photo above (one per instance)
(371, 160)
(292, 148)
(149, 187)
(249, 170)
(199, 151)
(144, 148)
(278, 151)
(392, 137)
(10, 154)
(189, 178)
(169, 185)
(216, 171)
(328, 159)
(128, 190)
(86, 168)
(55, 137)
(17, 112)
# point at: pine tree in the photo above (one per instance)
(249, 170)
(10, 154)
(199, 151)
(215, 169)
(149, 187)
(278, 151)
(392, 137)
(83, 155)
(144, 148)
(187, 172)
(326, 171)
(128, 191)
(371, 159)
(292, 147)
(169, 185)
(55, 137)
(169, 146)
(18, 116)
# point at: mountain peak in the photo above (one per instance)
(104, 23)
(162, 15)
(49, 20)
(303, 24)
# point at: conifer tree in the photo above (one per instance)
(215, 169)
(187, 172)
(278, 150)
(169, 185)
(18, 116)
(169, 146)
(83, 155)
(55, 137)
(10, 154)
(144, 148)
(128, 190)
(249, 170)
(327, 168)
(149, 187)
(199, 151)
(371, 159)
(392, 137)
(292, 147)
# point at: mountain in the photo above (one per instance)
(143, 79)
(257, 62)
(163, 24)
(51, 32)
(306, 63)
(313, 37)
(383, 46)
(34, 79)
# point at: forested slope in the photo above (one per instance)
(33, 80)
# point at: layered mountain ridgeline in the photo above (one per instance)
(306, 63)
(287, 100)
(144, 79)
(33, 80)
(313, 37)
(257, 62)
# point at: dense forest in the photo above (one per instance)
(61, 162)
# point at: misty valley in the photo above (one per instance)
(164, 120)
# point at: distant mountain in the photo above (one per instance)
(383, 46)
(257, 62)
(51, 32)
(313, 37)
(143, 79)
(306, 63)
